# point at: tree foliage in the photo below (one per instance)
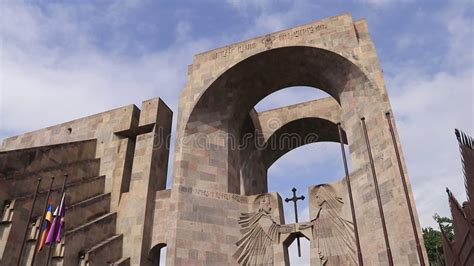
(432, 238)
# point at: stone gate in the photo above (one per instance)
(218, 210)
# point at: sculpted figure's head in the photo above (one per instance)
(325, 194)
(265, 203)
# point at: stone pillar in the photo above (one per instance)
(149, 170)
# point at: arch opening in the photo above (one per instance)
(302, 168)
(256, 163)
(290, 247)
(289, 96)
(157, 255)
(221, 113)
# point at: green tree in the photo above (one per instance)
(447, 224)
(432, 238)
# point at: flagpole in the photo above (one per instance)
(28, 222)
(59, 200)
(42, 221)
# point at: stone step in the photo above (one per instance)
(82, 237)
(76, 192)
(37, 158)
(103, 253)
(122, 262)
(84, 189)
(87, 210)
(57, 171)
(87, 235)
(26, 183)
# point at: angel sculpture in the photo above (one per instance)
(333, 235)
(260, 231)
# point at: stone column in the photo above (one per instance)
(149, 170)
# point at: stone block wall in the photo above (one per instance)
(108, 128)
(127, 147)
(149, 170)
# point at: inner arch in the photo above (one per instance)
(289, 96)
(298, 133)
(290, 136)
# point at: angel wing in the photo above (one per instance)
(334, 235)
(259, 231)
(334, 238)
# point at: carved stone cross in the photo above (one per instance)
(295, 199)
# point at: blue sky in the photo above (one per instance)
(64, 61)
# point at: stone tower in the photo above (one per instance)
(219, 196)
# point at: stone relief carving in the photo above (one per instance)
(268, 41)
(333, 235)
(260, 232)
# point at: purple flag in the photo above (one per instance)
(62, 212)
(54, 233)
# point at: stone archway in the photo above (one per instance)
(221, 109)
(335, 55)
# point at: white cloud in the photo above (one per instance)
(244, 5)
(52, 68)
(182, 30)
(458, 22)
(117, 12)
(268, 18)
(380, 3)
(428, 107)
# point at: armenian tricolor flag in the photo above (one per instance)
(57, 225)
(48, 219)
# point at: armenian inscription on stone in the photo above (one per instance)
(301, 32)
(235, 49)
(211, 194)
(268, 40)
